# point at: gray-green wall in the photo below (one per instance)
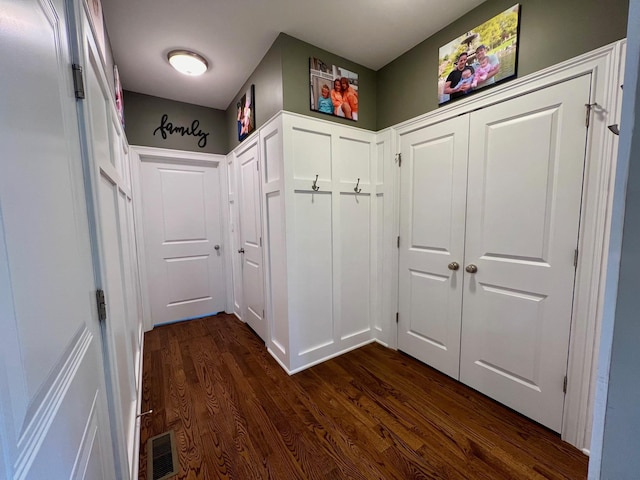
(143, 115)
(551, 31)
(267, 81)
(282, 83)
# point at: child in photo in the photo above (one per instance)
(482, 71)
(466, 79)
(325, 105)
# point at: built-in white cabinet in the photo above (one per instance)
(320, 206)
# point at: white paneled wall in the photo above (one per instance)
(323, 247)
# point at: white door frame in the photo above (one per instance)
(176, 157)
(235, 302)
(87, 52)
(603, 65)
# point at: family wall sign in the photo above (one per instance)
(167, 128)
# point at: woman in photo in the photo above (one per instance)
(349, 99)
(336, 98)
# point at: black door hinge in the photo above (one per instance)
(78, 81)
(590, 107)
(102, 305)
(399, 157)
(397, 317)
(398, 241)
(564, 385)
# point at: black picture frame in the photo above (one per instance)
(246, 118)
(322, 81)
(482, 57)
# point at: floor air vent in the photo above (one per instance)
(163, 460)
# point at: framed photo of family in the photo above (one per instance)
(480, 58)
(334, 89)
(246, 113)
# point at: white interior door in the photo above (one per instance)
(183, 238)
(432, 212)
(526, 165)
(251, 241)
(234, 235)
(53, 407)
(116, 260)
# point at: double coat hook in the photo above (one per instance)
(356, 189)
(315, 187)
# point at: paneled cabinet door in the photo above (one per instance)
(526, 164)
(432, 213)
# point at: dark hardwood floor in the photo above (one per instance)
(373, 413)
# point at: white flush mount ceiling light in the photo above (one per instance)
(187, 62)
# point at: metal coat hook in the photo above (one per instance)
(614, 128)
(315, 187)
(356, 189)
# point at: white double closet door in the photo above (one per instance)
(490, 210)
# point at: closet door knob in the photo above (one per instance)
(471, 268)
(453, 266)
(241, 250)
(216, 247)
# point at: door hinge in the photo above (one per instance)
(399, 158)
(102, 305)
(78, 81)
(398, 241)
(564, 385)
(588, 117)
(260, 241)
(575, 258)
(257, 167)
(397, 317)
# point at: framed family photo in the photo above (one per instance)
(333, 89)
(246, 113)
(480, 58)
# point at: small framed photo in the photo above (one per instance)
(480, 58)
(118, 95)
(246, 114)
(333, 89)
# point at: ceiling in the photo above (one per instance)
(234, 35)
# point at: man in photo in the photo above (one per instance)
(486, 67)
(453, 87)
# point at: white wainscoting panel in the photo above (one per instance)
(355, 160)
(355, 278)
(312, 287)
(311, 154)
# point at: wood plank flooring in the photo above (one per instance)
(373, 413)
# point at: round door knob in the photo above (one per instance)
(216, 247)
(453, 266)
(471, 268)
